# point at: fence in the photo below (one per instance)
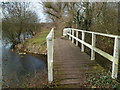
(113, 58)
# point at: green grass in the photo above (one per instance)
(39, 38)
(37, 43)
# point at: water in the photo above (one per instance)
(16, 66)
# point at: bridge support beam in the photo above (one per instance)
(116, 55)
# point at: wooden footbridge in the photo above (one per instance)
(68, 64)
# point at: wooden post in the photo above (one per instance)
(70, 33)
(93, 45)
(77, 37)
(116, 55)
(50, 45)
(73, 35)
(83, 39)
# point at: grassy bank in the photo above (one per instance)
(36, 45)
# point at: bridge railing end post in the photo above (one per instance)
(50, 50)
(116, 60)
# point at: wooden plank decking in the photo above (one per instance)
(70, 64)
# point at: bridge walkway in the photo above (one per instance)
(70, 65)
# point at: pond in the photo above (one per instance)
(15, 66)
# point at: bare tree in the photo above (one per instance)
(18, 18)
(54, 11)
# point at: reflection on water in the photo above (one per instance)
(16, 66)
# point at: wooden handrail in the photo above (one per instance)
(114, 59)
(101, 34)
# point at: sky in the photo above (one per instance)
(38, 8)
